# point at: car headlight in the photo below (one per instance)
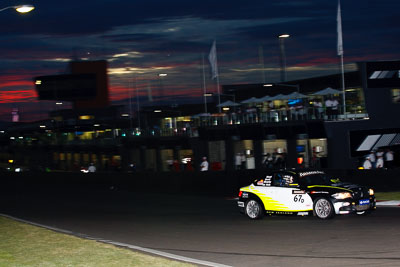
(371, 192)
(342, 195)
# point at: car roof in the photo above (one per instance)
(297, 170)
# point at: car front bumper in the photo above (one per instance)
(348, 206)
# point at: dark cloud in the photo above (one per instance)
(174, 36)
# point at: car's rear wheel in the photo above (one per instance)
(253, 209)
(323, 208)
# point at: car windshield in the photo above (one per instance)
(316, 179)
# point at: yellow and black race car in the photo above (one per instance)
(304, 192)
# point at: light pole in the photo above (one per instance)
(20, 8)
(282, 38)
(161, 95)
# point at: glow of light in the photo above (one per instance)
(300, 160)
(268, 85)
(38, 82)
(284, 36)
(157, 111)
(134, 54)
(120, 55)
(58, 59)
(371, 192)
(162, 74)
(24, 8)
(86, 117)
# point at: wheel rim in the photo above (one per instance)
(323, 208)
(253, 209)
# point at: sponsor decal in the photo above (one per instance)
(295, 192)
(279, 212)
(241, 204)
(303, 213)
(245, 195)
(302, 174)
(364, 201)
(267, 180)
(319, 192)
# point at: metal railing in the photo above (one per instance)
(190, 129)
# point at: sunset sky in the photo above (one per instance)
(141, 39)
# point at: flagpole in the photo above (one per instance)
(219, 95)
(340, 53)
(204, 86)
(130, 106)
(343, 86)
(137, 103)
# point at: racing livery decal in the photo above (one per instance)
(302, 191)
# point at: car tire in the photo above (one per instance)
(323, 208)
(253, 209)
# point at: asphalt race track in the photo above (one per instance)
(211, 228)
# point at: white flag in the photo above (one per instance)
(212, 57)
(339, 32)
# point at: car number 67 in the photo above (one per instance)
(298, 198)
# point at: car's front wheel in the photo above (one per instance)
(253, 209)
(323, 208)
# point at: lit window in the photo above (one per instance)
(86, 117)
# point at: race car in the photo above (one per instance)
(304, 192)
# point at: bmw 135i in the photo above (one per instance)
(304, 192)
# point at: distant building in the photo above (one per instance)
(292, 130)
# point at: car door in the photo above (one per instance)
(284, 195)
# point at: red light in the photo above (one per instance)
(240, 193)
(300, 160)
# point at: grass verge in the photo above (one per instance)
(387, 196)
(26, 245)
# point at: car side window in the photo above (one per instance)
(277, 179)
(282, 179)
